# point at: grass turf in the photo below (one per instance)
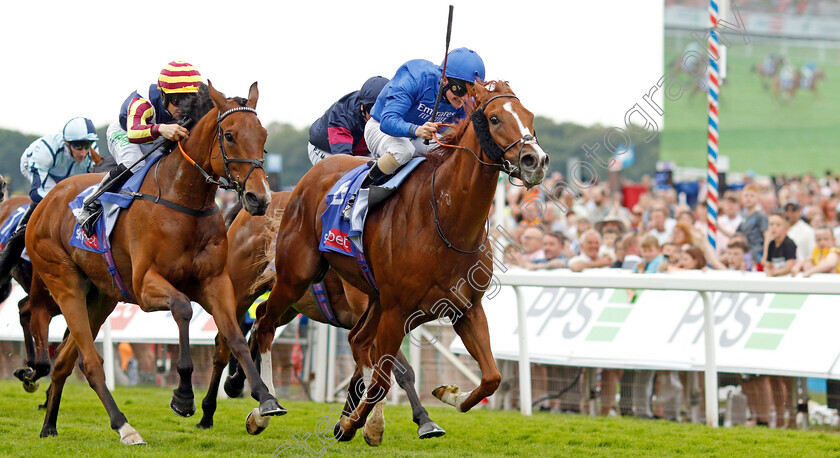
(757, 131)
(83, 431)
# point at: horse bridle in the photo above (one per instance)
(495, 152)
(489, 145)
(227, 182)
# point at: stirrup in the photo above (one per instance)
(347, 212)
(88, 217)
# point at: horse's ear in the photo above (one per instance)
(218, 99)
(480, 90)
(253, 95)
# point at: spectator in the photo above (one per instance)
(632, 252)
(690, 258)
(755, 223)
(825, 257)
(682, 234)
(553, 245)
(651, 254)
(588, 258)
(728, 222)
(670, 255)
(657, 225)
(781, 251)
(800, 232)
(610, 236)
(532, 244)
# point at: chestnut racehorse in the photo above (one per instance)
(249, 238)
(170, 249)
(429, 235)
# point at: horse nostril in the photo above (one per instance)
(544, 162)
(528, 161)
(251, 200)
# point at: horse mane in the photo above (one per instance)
(456, 132)
(197, 107)
(266, 258)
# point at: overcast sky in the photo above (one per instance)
(583, 61)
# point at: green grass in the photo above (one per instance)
(83, 431)
(757, 131)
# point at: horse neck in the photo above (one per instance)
(188, 186)
(464, 191)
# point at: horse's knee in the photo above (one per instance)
(181, 309)
(492, 382)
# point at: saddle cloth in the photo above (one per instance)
(112, 203)
(345, 237)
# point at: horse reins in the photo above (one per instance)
(492, 149)
(226, 182)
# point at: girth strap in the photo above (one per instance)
(172, 205)
(323, 300)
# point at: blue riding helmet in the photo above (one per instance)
(371, 89)
(464, 64)
(80, 129)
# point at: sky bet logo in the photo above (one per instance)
(337, 239)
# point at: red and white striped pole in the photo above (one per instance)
(713, 73)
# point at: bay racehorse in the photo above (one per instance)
(249, 239)
(170, 246)
(421, 245)
(36, 349)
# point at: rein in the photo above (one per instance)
(492, 149)
(226, 182)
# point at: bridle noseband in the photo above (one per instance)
(227, 182)
(492, 149)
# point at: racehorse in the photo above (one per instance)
(786, 82)
(809, 76)
(22, 273)
(768, 68)
(249, 239)
(170, 244)
(417, 266)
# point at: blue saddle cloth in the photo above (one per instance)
(346, 237)
(112, 202)
(10, 225)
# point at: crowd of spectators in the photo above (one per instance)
(778, 227)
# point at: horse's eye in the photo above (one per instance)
(494, 119)
(229, 137)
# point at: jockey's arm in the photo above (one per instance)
(141, 129)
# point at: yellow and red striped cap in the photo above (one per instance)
(179, 77)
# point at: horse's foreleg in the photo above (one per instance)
(472, 328)
(25, 314)
(218, 299)
(405, 379)
(158, 294)
(64, 362)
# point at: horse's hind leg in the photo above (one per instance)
(472, 328)
(405, 379)
(26, 373)
(66, 359)
(388, 337)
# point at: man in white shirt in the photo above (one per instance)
(728, 223)
(590, 243)
(657, 226)
(800, 232)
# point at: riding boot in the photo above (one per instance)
(373, 174)
(92, 209)
(10, 256)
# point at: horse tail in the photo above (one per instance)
(266, 258)
(230, 213)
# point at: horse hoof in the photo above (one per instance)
(429, 430)
(232, 390)
(130, 436)
(49, 431)
(182, 406)
(256, 424)
(24, 373)
(270, 407)
(372, 439)
(29, 386)
(204, 424)
(341, 435)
